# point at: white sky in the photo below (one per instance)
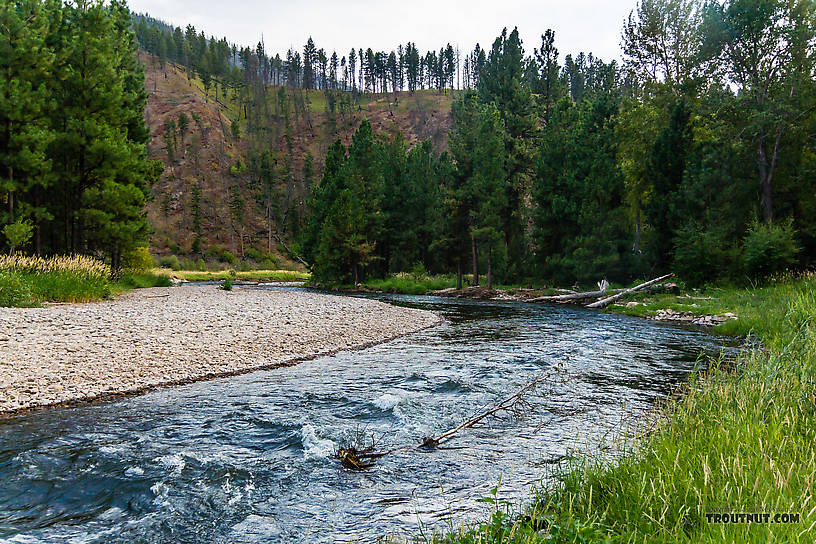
(580, 25)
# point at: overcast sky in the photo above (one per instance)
(580, 25)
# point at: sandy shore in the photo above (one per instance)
(155, 337)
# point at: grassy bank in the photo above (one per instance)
(249, 275)
(32, 281)
(422, 284)
(739, 439)
(411, 284)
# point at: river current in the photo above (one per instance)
(250, 458)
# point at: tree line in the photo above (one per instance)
(359, 70)
(696, 155)
(74, 173)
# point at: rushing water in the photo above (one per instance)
(249, 458)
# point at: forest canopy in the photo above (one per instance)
(73, 163)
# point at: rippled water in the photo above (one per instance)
(248, 458)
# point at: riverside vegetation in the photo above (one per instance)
(30, 281)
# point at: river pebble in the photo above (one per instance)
(164, 336)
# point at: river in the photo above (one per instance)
(249, 458)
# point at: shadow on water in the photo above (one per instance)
(248, 458)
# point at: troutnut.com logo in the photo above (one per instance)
(753, 517)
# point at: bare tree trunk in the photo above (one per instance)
(489, 269)
(766, 173)
(475, 253)
(37, 228)
(459, 274)
(268, 228)
(765, 183)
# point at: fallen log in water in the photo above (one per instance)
(604, 302)
(603, 286)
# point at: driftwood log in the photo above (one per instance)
(604, 302)
(603, 286)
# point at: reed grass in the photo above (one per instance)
(29, 281)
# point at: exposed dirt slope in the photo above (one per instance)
(209, 150)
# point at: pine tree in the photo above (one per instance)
(25, 133)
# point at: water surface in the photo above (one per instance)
(249, 458)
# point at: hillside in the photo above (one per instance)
(232, 213)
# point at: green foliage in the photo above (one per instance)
(703, 256)
(15, 290)
(769, 248)
(411, 284)
(226, 285)
(239, 168)
(235, 129)
(130, 280)
(137, 260)
(227, 257)
(170, 261)
(72, 153)
(18, 234)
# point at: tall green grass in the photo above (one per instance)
(740, 438)
(29, 281)
(411, 284)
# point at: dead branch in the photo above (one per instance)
(356, 459)
(604, 302)
(507, 404)
(603, 286)
(288, 250)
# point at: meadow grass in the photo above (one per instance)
(141, 280)
(411, 284)
(739, 438)
(248, 275)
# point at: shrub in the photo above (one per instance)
(702, 256)
(214, 252)
(171, 262)
(254, 254)
(18, 234)
(238, 168)
(768, 249)
(137, 260)
(227, 257)
(227, 285)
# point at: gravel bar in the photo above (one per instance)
(166, 336)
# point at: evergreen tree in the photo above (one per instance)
(25, 132)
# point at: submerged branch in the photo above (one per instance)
(356, 459)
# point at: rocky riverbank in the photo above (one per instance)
(165, 336)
